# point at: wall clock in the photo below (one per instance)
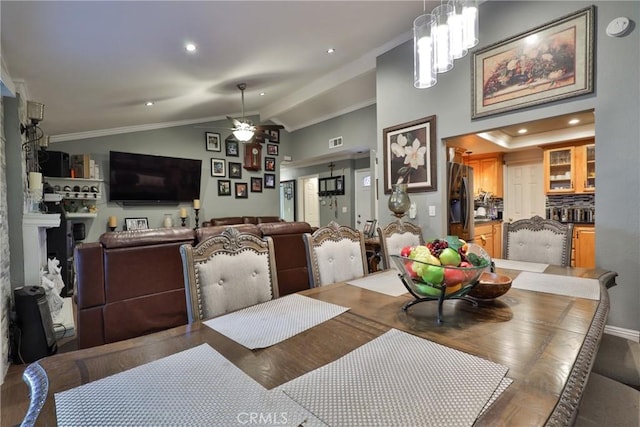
(252, 156)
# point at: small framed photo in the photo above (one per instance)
(235, 170)
(136, 223)
(369, 228)
(212, 141)
(256, 185)
(231, 148)
(241, 190)
(218, 167)
(269, 180)
(274, 135)
(224, 187)
(270, 164)
(272, 149)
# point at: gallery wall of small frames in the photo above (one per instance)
(229, 169)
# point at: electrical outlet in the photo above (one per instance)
(432, 210)
(344, 209)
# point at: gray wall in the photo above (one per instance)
(357, 129)
(180, 141)
(616, 101)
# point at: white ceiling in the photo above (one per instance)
(94, 64)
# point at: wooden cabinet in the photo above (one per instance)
(489, 236)
(487, 173)
(570, 168)
(584, 246)
(484, 236)
(497, 240)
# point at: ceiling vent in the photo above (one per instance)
(335, 142)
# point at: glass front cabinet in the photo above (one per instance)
(570, 169)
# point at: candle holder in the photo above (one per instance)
(196, 218)
(183, 220)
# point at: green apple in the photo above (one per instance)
(450, 256)
(427, 290)
(432, 274)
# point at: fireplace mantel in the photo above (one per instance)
(34, 237)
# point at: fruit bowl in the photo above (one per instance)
(450, 270)
(490, 286)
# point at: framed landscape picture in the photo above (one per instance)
(548, 63)
(224, 187)
(218, 167)
(212, 141)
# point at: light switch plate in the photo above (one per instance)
(344, 209)
(432, 210)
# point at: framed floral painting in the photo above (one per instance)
(548, 63)
(410, 155)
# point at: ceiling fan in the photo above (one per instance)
(244, 130)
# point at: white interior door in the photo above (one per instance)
(310, 202)
(363, 201)
(524, 191)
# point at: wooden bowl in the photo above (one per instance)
(490, 286)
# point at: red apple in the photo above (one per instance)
(409, 267)
(405, 251)
(453, 276)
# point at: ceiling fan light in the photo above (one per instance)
(243, 135)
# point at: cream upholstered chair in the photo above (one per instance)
(395, 236)
(228, 272)
(335, 253)
(538, 240)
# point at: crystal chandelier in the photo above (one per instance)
(447, 33)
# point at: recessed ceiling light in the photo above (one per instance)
(190, 47)
(574, 121)
(521, 131)
(262, 93)
(331, 50)
(148, 103)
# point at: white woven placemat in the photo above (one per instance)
(520, 265)
(560, 285)
(399, 379)
(196, 387)
(387, 283)
(266, 324)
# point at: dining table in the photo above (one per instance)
(546, 342)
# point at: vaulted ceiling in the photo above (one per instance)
(94, 64)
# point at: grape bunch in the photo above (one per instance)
(436, 247)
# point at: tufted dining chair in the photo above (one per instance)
(335, 253)
(395, 236)
(228, 272)
(538, 240)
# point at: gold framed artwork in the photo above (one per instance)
(551, 62)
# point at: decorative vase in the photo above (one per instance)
(168, 221)
(399, 202)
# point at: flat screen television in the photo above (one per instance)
(147, 179)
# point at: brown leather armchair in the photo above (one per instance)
(130, 283)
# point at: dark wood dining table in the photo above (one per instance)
(547, 341)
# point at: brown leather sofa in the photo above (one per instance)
(130, 283)
(233, 220)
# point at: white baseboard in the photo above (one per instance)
(629, 334)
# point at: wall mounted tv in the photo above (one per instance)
(143, 179)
